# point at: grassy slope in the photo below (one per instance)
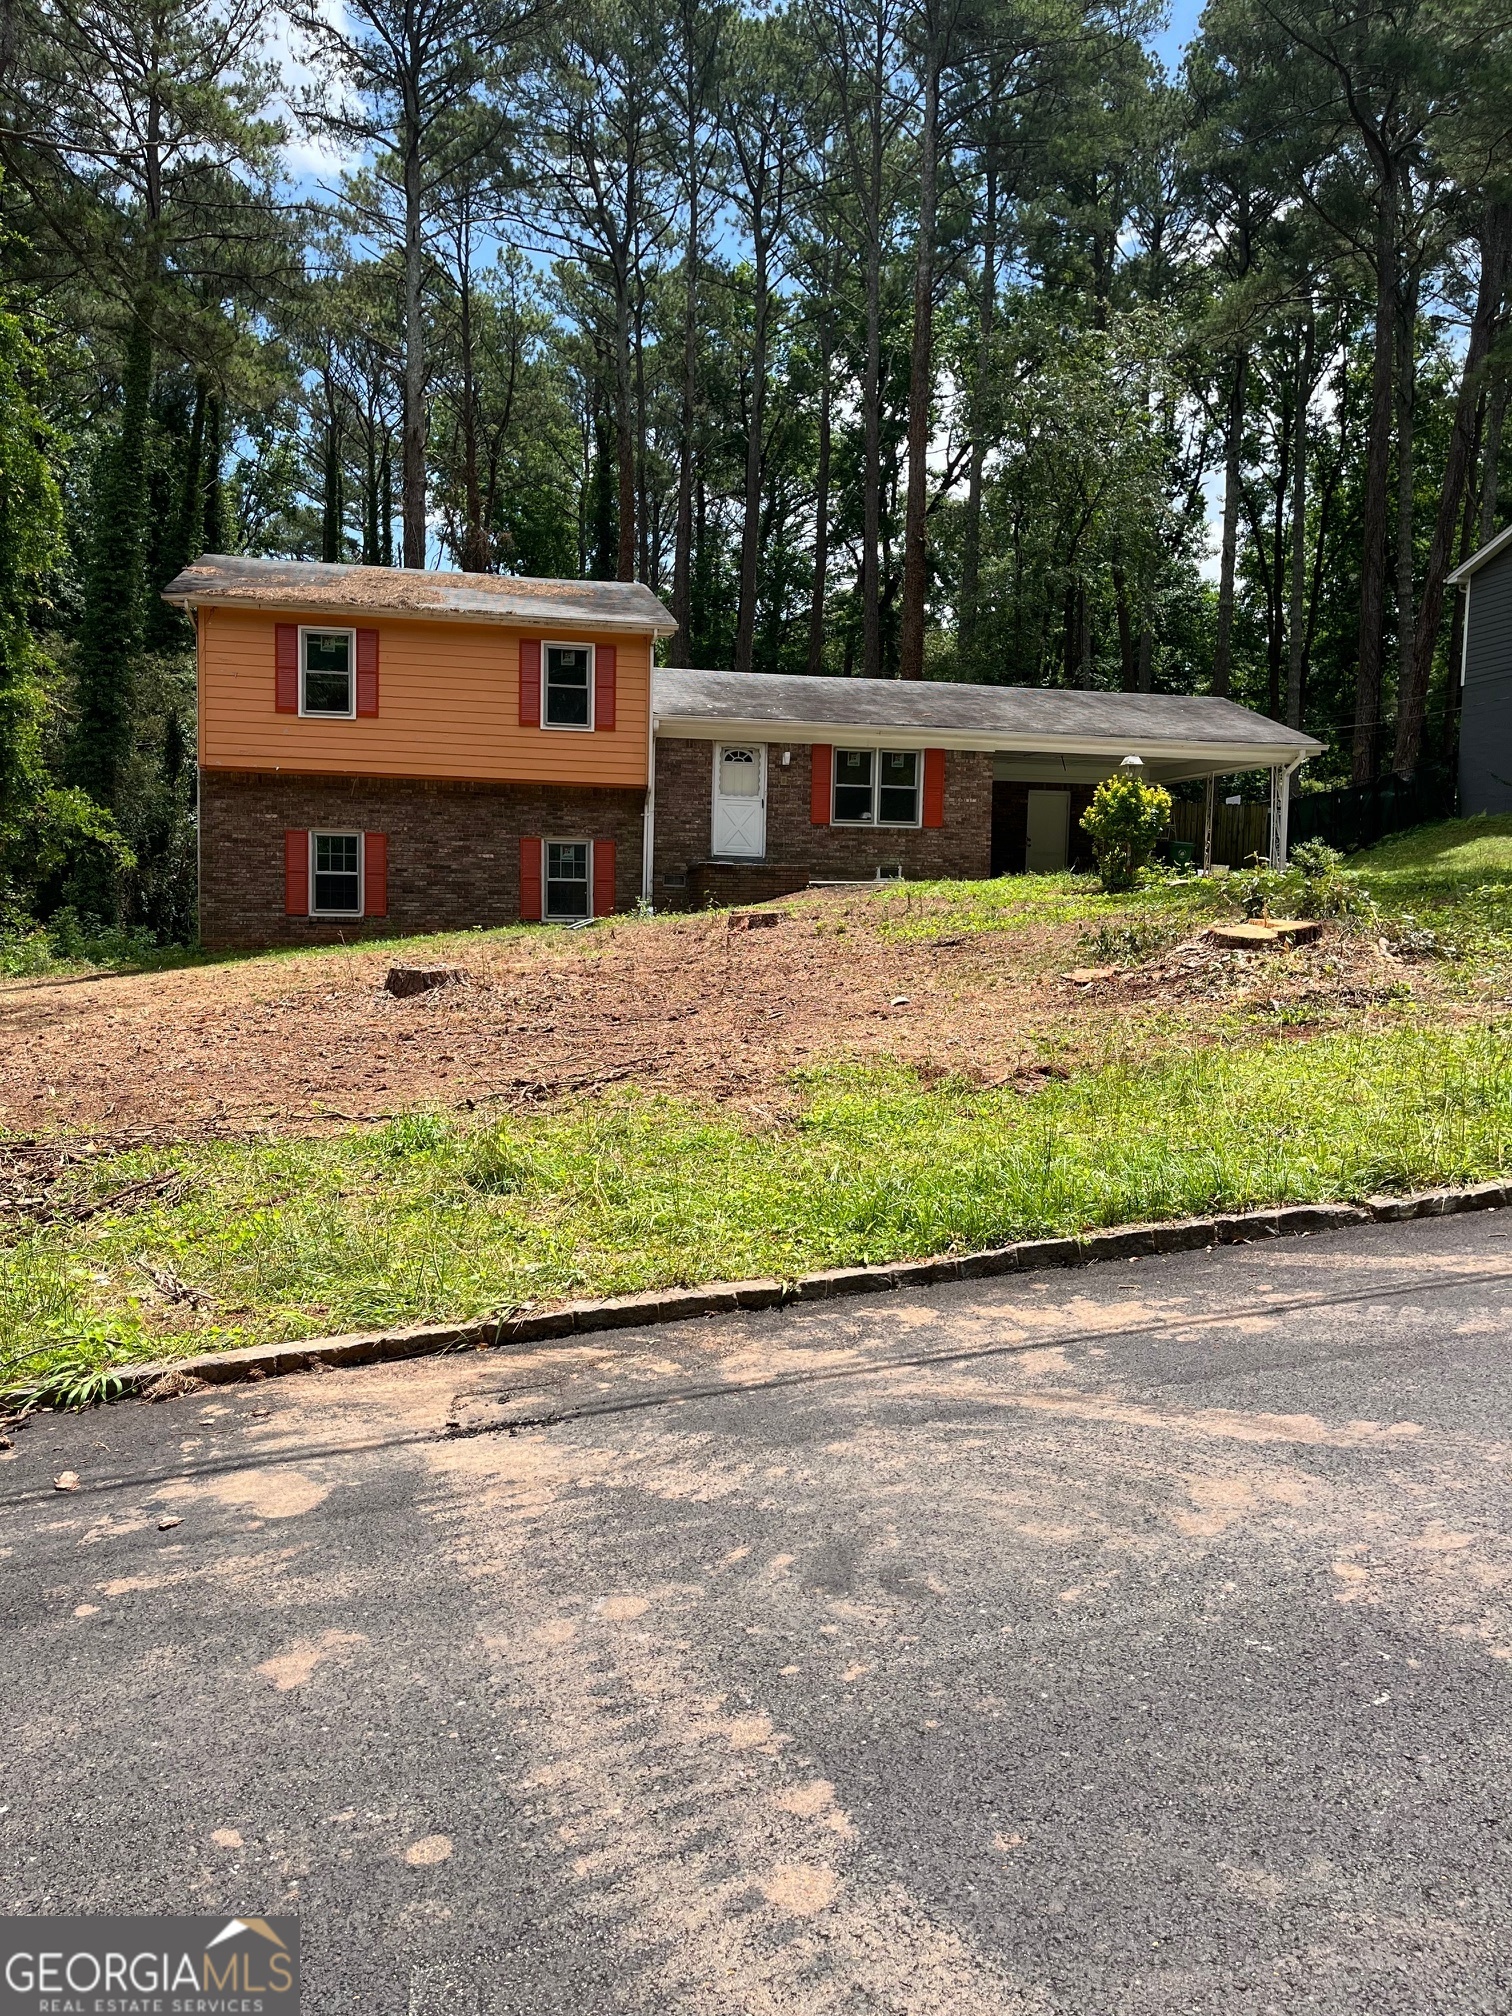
(428, 1217)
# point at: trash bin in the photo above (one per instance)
(1183, 853)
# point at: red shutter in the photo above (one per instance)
(603, 878)
(296, 874)
(530, 687)
(934, 787)
(530, 879)
(367, 677)
(375, 874)
(823, 759)
(605, 665)
(286, 669)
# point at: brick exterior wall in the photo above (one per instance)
(453, 850)
(962, 847)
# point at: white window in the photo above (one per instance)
(567, 680)
(327, 673)
(335, 874)
(877, 787)
(569, 880)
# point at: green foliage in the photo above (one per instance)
(31, 525)
(1125, 821)
(435, 1218)
(1329, 889)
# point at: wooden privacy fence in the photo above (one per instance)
(1239, 831)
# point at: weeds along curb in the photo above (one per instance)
(726, 1298)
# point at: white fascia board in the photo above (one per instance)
(1461, 575)
(1218, 757)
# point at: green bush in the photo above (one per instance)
(1328, 888)
(1124, 821)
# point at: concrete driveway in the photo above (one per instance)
(1135, 1639)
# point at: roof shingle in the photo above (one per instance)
(413, 591)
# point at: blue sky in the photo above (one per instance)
(1183, 27)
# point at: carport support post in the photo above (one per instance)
(1277, 817)
(1207, 826)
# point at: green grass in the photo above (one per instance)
(427, 1218)
(434, 1217)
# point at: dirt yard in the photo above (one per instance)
(691, 1005)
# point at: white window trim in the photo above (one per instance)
(329, 630)
(341, 833)
(874, 823)
(564, 840)
(568, 644)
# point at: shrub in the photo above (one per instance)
(1328, 888)
(1124, 821)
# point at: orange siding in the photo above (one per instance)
(449, 707)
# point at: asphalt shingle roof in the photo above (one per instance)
(1046, 717)
(414, 591)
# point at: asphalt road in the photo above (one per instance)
(1136, 1639)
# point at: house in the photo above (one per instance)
(848, 779)
(385, 751)
(1485, 760)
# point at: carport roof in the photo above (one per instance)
(1204, 733)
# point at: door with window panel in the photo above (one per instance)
(740, 799)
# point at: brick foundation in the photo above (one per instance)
(453, 850)
(797, 850)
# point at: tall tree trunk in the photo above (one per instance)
(330, 479)
(475, 541)
(412, 481)
(1377, 480)
(371, 534)
(921, 377)
(217, 533)
(1406, 552)
(1146, 679)
(1232, 460)
(871, 390)
(1496, 264)
(750, 535)
(682, 531)
(821, 513)
(1295, 617)
(1450, 739)
(386, 504)
(624, 436)
(644, 570)
(111, 625)
(1496, 414)
(1083, 640)
(166, 625)
(1128, 665)
(971, 530)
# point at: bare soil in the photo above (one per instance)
(296, 1044)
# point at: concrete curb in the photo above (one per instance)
(726, 1298)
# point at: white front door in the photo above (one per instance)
(1049, 829)
(740, 798)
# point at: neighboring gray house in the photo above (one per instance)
(1485, 764)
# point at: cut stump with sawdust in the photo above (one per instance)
(1258, 936)
(403, 981)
